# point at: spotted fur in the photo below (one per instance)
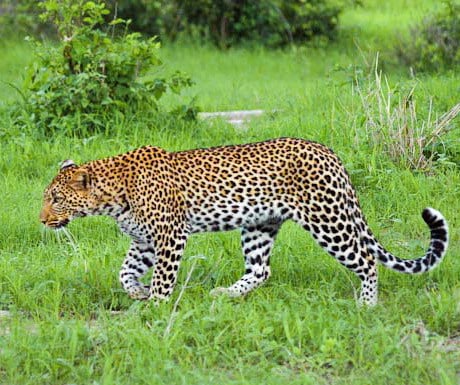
(159, 198)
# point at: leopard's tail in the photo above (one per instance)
(438, 245)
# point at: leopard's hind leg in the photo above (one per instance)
(341, 240)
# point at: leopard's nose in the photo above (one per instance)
(43, 216)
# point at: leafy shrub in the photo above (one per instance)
(225, 22)
(435, 44)
(90, 75)
(311, 18)
(19, 17)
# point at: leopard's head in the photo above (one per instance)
(68, 196)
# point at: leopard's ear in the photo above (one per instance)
(80, 180)
(67, 164)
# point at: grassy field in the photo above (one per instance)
(69, 322)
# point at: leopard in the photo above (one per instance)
(160, 198)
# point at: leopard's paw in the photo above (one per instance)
(140, 293)
(224, 291)
(218, 291)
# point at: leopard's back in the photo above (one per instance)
(236, 186)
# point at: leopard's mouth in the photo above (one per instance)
(57, 224)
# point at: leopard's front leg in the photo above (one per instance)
(139, 259)
(170, 242)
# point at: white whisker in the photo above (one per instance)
(71, 240)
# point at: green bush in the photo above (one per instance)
(226, 22)
(90, 75)
(19, 17)
(435, 44)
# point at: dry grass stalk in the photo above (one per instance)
(173, 315)
(392, 123)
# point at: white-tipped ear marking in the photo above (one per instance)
(67, 163)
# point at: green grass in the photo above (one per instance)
(71, 323)
(378, 23)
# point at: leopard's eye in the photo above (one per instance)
(57, 198)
